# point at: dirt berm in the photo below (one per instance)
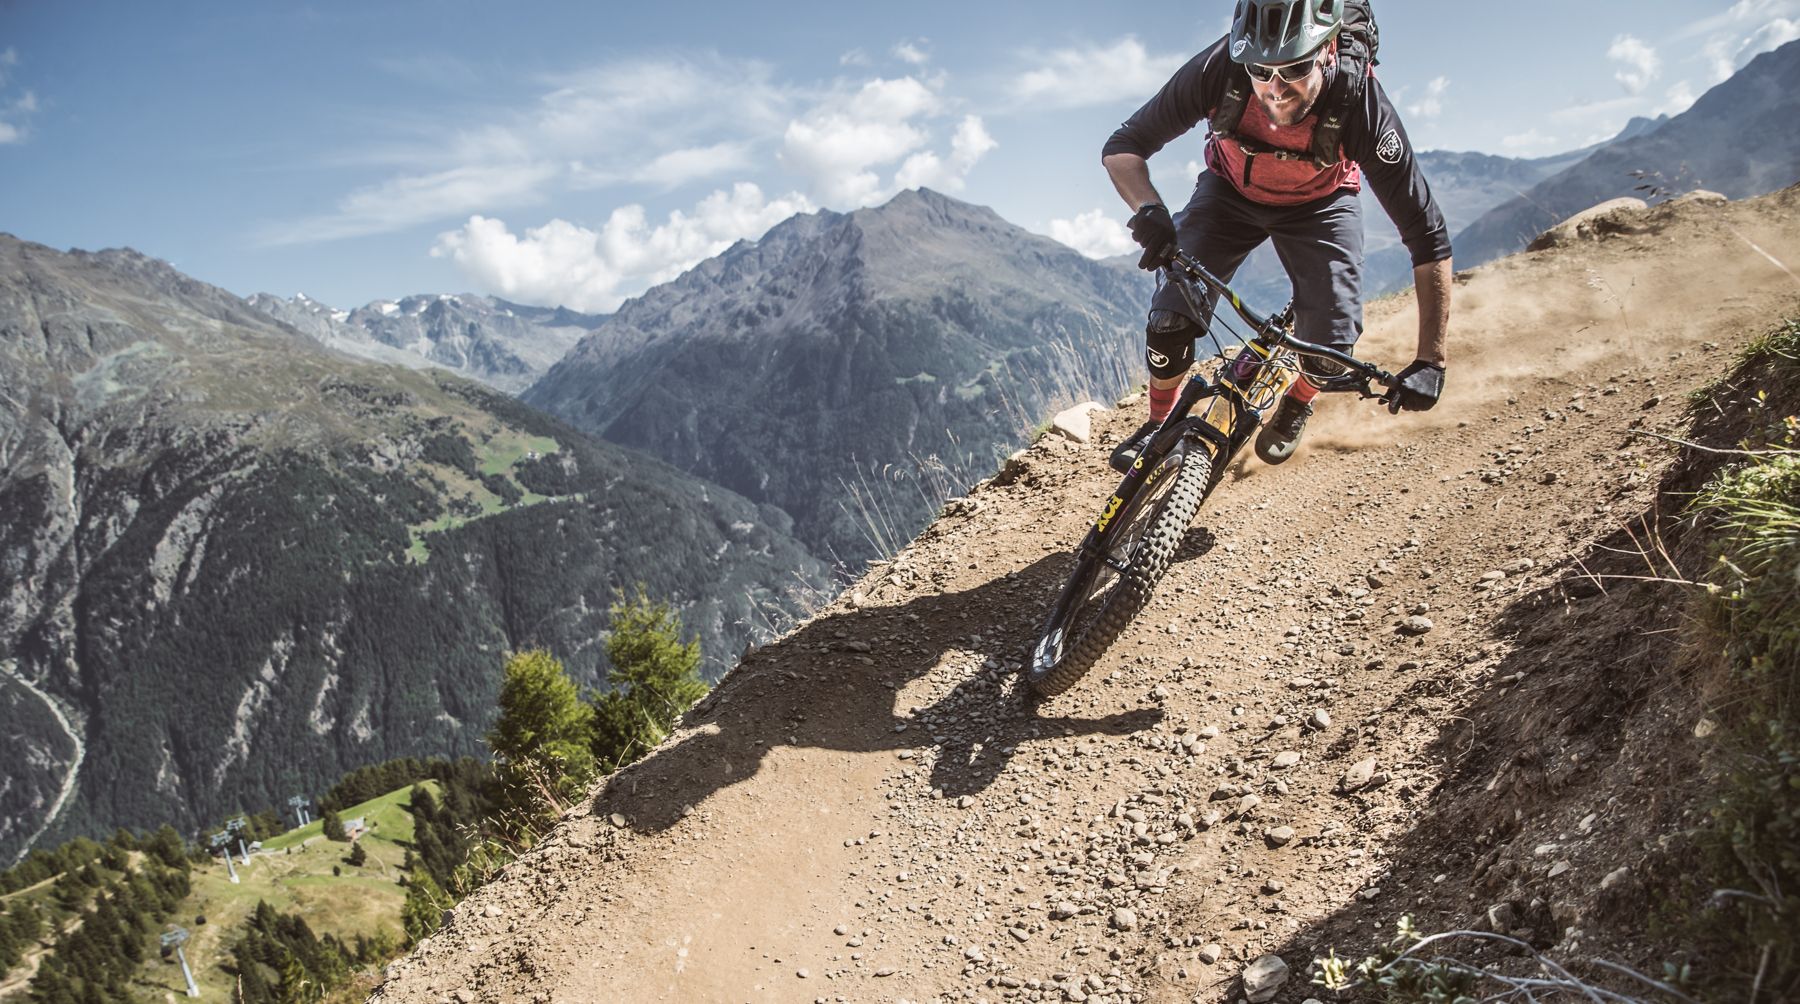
(868, 811)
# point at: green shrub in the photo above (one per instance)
(655, 677)
(1755, 613)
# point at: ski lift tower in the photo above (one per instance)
(299, 803)
(221, 841)
(174, 937)
(237, 828)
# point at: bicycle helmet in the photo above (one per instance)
(1274, 32)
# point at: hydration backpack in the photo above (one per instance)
(1358, 41)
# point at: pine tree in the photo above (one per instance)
(252, 986)
(166, 846)
(334, 826)
(543, 727)
(358, 856)
(655, 678)
(297, 985)
(424, 910)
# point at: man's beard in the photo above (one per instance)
(1274, 117)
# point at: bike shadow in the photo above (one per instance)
(857, 681)
(1197, 543)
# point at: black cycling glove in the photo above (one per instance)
(1154, 230)
(1419, 387)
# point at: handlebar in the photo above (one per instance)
(1275, 331)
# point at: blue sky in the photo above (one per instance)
(576, 153)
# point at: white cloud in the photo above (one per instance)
(967, 147)
(18, 109)
(855, 57)
(914, 51)
(644, 106)
(1606, 108)
(1094, 234)
(1432, 104)
(669, 170)
(1530, 141)
(562, 264)
(1679, 98)
(1073, 78)
(662, 121)
(839, 144)
(1719, 53)
(438, 69)
(408, 201)
(1639, 64)
(1744, 31)
(1772, 35)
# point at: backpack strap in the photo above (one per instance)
(1225, 118)
(1333, 109)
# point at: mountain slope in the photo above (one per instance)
(856, 369)
(504, 345)
(237, 564)
(868, 810)
(1730, 141)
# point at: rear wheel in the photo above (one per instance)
(1109, 588)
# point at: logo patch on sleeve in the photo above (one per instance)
(1389, 149)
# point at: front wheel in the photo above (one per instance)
(1108, 588)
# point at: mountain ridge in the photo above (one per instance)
(500, 343)
(1701, 148)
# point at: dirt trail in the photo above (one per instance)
(867, 811)
(9, 670)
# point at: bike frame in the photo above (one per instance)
(1236, 397)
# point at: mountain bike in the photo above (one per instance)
(1130, 545)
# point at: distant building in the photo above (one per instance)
(353, 828)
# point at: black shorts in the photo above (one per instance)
(1320, 243)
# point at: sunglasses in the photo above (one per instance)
(1293, 73)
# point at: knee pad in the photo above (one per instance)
(1169, 343)
(1319, 370)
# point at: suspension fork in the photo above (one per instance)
(1178, 425)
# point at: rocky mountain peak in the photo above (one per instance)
(915, 334)
(503, 344)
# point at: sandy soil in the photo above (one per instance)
(869, 811)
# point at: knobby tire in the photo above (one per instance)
(1130, 592)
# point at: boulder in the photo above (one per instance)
(1263, 978)
(1611, 216)
(1075, 424)
(1699, 197)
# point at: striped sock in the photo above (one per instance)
(1162, 402)
(1303, 391)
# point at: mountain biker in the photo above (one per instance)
(1275, 174)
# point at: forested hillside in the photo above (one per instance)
(240, 565)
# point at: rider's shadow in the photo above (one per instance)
(968, 760)
(840, 683)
